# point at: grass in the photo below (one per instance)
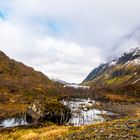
(9, 110)
(44, 133)
(121, 98)
(118, 80)
(127, 128)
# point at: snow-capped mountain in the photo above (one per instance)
(123, 70)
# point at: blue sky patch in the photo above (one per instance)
(2, 15)
(54, 26)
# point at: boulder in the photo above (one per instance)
(50, 110)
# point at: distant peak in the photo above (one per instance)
(2, 54)
(134, 51)
(129, 57)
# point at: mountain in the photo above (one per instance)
(19, 83)
(60, 81)
(120, 72)
(26, 91)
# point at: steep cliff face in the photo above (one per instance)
(121, 71)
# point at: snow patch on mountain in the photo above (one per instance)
(136, 81)
(133, 62)
(113, 63)
(135, 51)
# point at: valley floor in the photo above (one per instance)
(121, 129)
(125, 128)
(128, 109)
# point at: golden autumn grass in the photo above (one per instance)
(44, 133)
(127, 127)
(121, 98)
(12, 109)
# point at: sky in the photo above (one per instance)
(66, 39)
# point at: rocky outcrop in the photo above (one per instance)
(50, 110)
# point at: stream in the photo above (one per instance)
(12, 122)
(83, 113)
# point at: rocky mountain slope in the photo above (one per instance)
(123, 70)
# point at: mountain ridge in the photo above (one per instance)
(126, 66)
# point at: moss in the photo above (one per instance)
(118, 80)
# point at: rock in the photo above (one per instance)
(34, 112)
(98, 103)
(50, 110)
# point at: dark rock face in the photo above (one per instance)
(120, 72)
(52, 111)
(129, 56)
(96, 72)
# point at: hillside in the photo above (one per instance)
(118, 80)
(123, 70)
(18, 79)
(20, 86)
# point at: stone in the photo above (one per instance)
(51, 110)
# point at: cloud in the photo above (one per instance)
(65, 59)
(67, 39)
(55, 57)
